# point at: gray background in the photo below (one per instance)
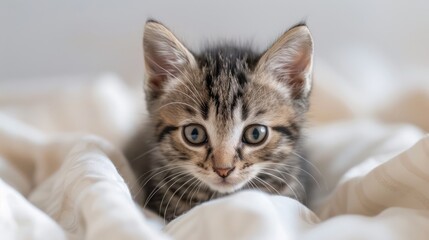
(49, 38)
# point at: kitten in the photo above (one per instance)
(223, 120)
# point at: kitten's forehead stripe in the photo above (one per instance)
(244, 111)
(242, 80)
(260, 112)
(204, 110)
(237, 96)
(226, 56)
(225, 79)
(190, 110)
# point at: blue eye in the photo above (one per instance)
(195, 134)
(255, 134)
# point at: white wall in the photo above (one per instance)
(52, 37)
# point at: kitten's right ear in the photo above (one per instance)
(165, 58)
(290, 61)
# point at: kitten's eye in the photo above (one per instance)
(195, 134)
(255, 134)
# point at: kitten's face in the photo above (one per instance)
(227, 115)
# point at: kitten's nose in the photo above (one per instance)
(223, 172)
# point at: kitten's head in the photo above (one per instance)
(226, 114)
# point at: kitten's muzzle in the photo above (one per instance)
(223, 172)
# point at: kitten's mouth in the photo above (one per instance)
(227, 185)
(225, 182)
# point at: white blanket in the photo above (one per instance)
(371, 177)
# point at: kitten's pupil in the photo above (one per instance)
(255, 134)
(194, 134)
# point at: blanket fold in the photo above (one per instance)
(373, 181)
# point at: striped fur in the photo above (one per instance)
(224, 89)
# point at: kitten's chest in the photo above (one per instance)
(170, 195)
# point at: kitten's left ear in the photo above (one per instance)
(289, 60)
(165, 58)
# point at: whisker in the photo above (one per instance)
(177, 90)
(197, 190)
(156, 189)
(251, 184)
(166, 168)
(284, 172)
(285, 165)
(309, 162)
(190, 81)
(144, 154)
(266, 184)
(213, 194)
(171, 75)
(181, 196)
(287, 184)
(170, 103)
(193, 191)
(172, 195)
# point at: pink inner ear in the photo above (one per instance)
(159, 64)
(156, 85)
(157, 82)
(296, 73)
(300, 64)
(160, 69)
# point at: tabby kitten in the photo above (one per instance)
(223, 120)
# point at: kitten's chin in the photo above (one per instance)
(225, 186)
(231, 184)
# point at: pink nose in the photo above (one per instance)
(223, 172)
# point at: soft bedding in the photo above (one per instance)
(370, 177)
